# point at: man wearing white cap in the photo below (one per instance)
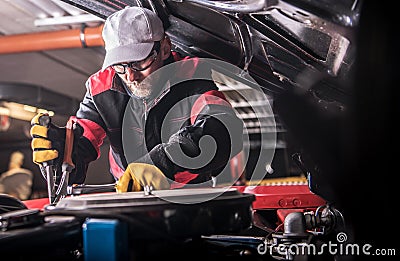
(148, 120)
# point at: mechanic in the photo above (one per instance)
(137, 46)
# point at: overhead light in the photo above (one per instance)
(4, 111)
(30, 108)
(68, 20)
(21, 111)
(50, 113)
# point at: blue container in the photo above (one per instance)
(105, 239)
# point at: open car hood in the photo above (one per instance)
(282, 44)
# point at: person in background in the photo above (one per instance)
(123, 92)
(16, 181)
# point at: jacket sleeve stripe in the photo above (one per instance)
(183, 178)
(101, 81)
(93, 132)
(207, 98)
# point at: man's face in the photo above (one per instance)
(133, 73)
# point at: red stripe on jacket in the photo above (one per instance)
(207, 98)
(93, 132)
(101, 81)
(182, 179)
(186, 67)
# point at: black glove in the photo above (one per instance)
(165, 155)
(188, 139)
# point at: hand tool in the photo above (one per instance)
(80, 189)
(67, 165)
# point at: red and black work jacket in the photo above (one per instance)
(138, 130)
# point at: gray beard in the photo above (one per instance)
(140, 90)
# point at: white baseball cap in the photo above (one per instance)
(129, 35)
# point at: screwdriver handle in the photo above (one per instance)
(69, 143)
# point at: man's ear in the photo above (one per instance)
(165, 48)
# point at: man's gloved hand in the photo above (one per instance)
(47, 139)
(188, 139)
(142, 174)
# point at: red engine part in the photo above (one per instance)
(283, 196)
